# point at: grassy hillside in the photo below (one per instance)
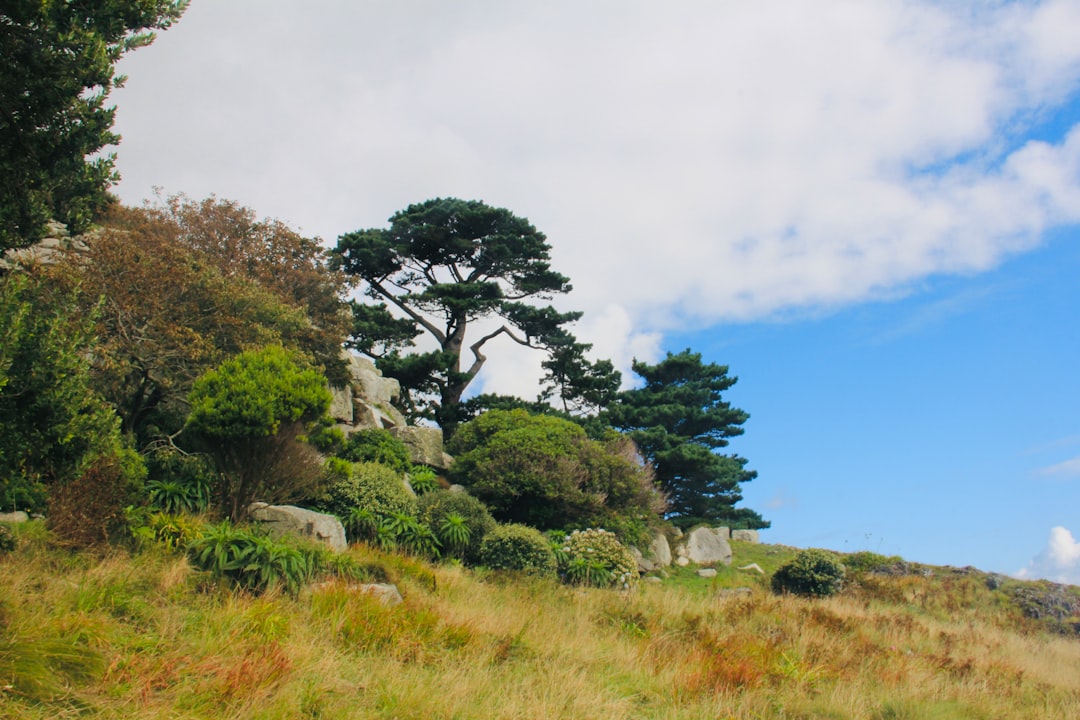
(144, 635)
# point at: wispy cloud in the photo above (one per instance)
(1066, 469)
(1059, 561)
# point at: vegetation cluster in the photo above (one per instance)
(173, 366)
(157, 630)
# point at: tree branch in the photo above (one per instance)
(434, 330)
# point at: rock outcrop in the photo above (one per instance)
(750, 536)
(367, 401)
(658, 556)
(425, 445)
(289, 520)
(704, 546)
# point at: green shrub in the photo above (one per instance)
(376, 445)
(597, 558)
(437, 507)
(368, 486)
(171, 531)
(811, 573)
(250, 560)
(520, 548)
(179, 482)
(423, 480)
(866, 561)
(251, 412)
(401, 531)
(544, 471)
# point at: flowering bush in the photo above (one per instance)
(597, 558)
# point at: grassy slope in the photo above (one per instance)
(145, 636)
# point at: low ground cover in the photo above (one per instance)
(141, 633)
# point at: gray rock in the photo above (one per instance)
(386, 593)
(660, 550)
(658, 556)
(644, 564)
(287, 519)
(372, 386)
(341, 404)
(425, 445)
(708, 546)
(14, 517)
(750, 536)
(753, 566)
(707, 572)
(653, 580)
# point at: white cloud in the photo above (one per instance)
(1059, 561)
(690, 163)
(1066, 469)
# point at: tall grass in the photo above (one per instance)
(144, 635)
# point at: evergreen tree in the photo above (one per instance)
(440, 268)
(59, 59)
(679, 421)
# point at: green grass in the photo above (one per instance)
(142, 634)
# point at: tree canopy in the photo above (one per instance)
(440, 267)
(679, 420)
(52, 422)
(251, 411)
(59, 60)
(184, 285)
(544, 471)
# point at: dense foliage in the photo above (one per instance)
(596, 557)
(519, 548)
(185, 285)
(368, 486)
(53, 424)
(460, 520)
(813, 573)
(679, 420)
(59, 68)
(545, 472)
(251, 412)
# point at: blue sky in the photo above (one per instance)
(928, 426)
(869, 211)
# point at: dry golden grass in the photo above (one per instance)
(162, 641)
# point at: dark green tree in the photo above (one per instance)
(582, 387)
(442, 266)
(679, 421)
(59, 60)
(251, 412)
(52, 423)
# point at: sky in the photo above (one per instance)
(869, 211)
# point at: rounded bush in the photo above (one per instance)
(437, 507)
(811, 573)
(596, 557)
(368, 486)
(518, 547)
(376, 445)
